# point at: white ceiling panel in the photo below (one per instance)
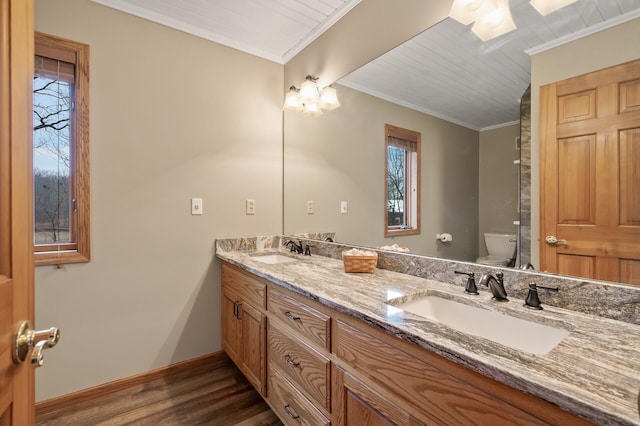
(272, 29)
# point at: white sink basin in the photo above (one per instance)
(513, 332)
(273, 259)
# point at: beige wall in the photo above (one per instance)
(600, 50)
(498, 182)
(369, 30)
(340, 157)
(172, 117)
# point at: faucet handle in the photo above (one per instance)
(533, 301)
(470, 287)
(307, 250)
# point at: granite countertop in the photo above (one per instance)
(594, 372)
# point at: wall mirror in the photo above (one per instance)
(463, 96)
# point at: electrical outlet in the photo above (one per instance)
(343, 207)
(196, 206)
(251, 206)
(309, 207)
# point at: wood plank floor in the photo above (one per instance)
(212, 394)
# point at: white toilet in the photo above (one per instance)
(501, 248)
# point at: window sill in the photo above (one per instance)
(397, 231)
(59, 258)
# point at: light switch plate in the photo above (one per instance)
(251, 207)
(343, 207)
(310, 207)
(196, 206)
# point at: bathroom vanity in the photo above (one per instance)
(326, 347)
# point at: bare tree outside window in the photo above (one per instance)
(51, 159)
(395, 186)
(61, 193)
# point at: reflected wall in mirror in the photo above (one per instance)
(336, 158)
(339, 156)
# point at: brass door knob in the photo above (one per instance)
(551, 239)
(29, 341)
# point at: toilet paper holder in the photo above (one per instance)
(444, 237)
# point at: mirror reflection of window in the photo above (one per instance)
(402, 181)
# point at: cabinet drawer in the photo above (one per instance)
(302, 364)
(307, 322)
(290, 405)
(249, 287)
(439, 396)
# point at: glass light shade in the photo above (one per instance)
(292, 101)
(329, 98)
(309, 92)
(312, 109)
(494, 23)
(546, 7)
(467, 11)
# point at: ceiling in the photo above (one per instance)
(272, 29)
(450, 73)
(446, 71)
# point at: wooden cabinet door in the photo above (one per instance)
(231, 325)
(356, 404)
(590, 175)
(254, 346)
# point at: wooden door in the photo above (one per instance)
(17, 393)
(590, 175)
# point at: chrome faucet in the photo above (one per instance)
(496, 285)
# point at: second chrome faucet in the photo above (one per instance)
(496, 285)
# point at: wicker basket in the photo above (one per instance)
(360, 263)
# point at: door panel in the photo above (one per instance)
(254, 346)
(590, 175)
(17, 393)
(630, 177)
(576, 180)
(630, 271)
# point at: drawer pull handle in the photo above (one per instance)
(289, 413)
(290, 361)
(291, 317)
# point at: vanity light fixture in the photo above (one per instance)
(492, 18)
(309, 100)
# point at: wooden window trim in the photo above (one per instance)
(80, 250)
(412, 139)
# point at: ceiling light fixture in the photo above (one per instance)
(492, 18)
(545, 7)
(494, 22)
(309, 99)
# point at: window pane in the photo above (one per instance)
(396, 186)
(51, 159)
